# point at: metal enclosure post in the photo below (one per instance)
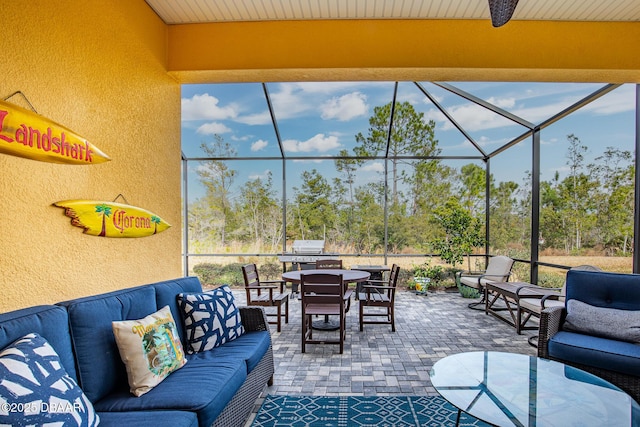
(535, 204)
(185, 219)
(636, 193)
(487, 214)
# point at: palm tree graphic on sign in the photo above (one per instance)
(155, 220)
(105, 210)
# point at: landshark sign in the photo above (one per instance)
(24, 133)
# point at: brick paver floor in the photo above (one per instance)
(380, 362)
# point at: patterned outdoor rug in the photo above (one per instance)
(348, 411)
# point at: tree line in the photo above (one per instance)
(590, 208)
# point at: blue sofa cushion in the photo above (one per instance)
(36, 390)
(148, 419)
(48, 321)
(210, 318)
(613, 355)
(100, 369)
(623, 325)
(250, 347)
(166, 294)
(187, 389)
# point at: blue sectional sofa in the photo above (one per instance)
(216, 387)
(598, 329)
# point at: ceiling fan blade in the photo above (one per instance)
(501, 11)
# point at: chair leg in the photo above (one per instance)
(482, 303)
(342, 332)
(361, 315)
(304, 331)
(393, 319)
(279, 317)
(286, 311)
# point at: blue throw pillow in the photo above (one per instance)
(210, 318)
(35, 389)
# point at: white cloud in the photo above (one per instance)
(262, 118)
(212, 129)
(618, 101)
(259, 145)
(345, 107)
(263, 176)
(205, 107)
(319, 143)
(373, 167)
(504, 103)
(474, 117)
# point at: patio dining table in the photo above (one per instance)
(348, 276)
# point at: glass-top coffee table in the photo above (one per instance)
(508, 389)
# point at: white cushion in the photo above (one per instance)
(150, 349)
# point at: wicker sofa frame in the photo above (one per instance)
(239, 408)
(551, 320)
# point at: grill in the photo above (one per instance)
(307, 247)
(305, 252)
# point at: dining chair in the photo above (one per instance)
(335, 264)
(322, 294)
(270, 293)
(379, 294)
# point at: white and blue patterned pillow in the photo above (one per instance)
(210, 318)
(35, 389)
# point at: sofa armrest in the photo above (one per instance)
(254, 319)
(550, 322)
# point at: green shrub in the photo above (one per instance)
(270, 271)
(468, 292)
(212, 275)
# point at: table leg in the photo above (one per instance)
(458, 418)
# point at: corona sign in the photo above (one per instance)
(110, 219)
(24, 133)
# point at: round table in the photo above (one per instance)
(509, 389)
(348, 276)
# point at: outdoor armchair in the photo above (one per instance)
(379, 294)
(498, 270)
(598, 329)
(270, 293)
(322, 294)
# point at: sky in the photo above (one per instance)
(321, 119)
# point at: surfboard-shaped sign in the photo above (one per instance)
(110, 219)
(24, 133)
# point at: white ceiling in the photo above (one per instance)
(200, 11)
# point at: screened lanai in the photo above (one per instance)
(545, 171)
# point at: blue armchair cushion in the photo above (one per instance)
(210, 318)
(623, 325)
(36, 389)
(603, 353)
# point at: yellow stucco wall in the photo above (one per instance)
(431, 50)
(99, 68)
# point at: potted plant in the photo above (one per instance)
(426, 276)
